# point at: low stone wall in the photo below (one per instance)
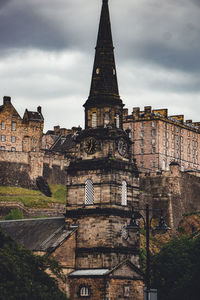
(56, 210)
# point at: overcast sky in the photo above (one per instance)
(47, 53)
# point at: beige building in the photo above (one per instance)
(20, 134)
(159, 139)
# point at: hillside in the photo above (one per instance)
(33, 198)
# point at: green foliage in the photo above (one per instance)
(33, 198)
(175, 270)
(14, 214)
(23, 274)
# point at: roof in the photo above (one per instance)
(34, 116)
(63, 143)
(38, 234)
(90, 272)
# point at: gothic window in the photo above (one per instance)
(94, 119)
(126, 291)
(124, 192)
(13, 126)
(3, 125)
(117, 120)
(89, 192)
(106, 119)
(84, 291)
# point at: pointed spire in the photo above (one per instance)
(104, 79)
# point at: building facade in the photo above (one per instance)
(159, 139)
(20, 134)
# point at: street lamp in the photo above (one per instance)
(162, 227)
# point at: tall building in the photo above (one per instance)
(159, 139)
(102, 188)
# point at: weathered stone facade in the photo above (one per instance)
(159, 139)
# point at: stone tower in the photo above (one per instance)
(102, 187)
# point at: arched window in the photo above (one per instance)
(94, 119)
(117, 120)
(89, 192)
(106, 119)
(124, 192)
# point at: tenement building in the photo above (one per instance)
(159, 139)
(20, 134)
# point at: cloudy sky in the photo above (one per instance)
(47, 52)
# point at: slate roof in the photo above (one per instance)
(34, 116)
(90, 272)
(63, 143)
(38, 234)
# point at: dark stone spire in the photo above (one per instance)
(104, 86)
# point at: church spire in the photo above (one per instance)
(104, 86)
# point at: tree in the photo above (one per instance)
(175, 270)
(23, 276)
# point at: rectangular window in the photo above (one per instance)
(3, 148)
(3, 125)
(13, 126)
(13, 139)
(126, 291)
(153, 164)
(153, 141)
(117, 120)
(142, 133)
(153, 150)
(141, 142)
(3, 138)
(141, 151)
(153, 124)
(94, 119)
(153, 132)
(142, 125)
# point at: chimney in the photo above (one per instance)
(39, 109)
(6, 100)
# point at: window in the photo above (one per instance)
(13, 139)
(94, 119)
(89, 192)
(117, 120)
(3, 138)
(84, 291)
(13, 149)
(153, 164)
(124, 192)
(153, 124)
(126, 291)
(141, 133)
(141, 150)
(3, 125)
(141, 164)
(97, 71)
(141, 142)
(13, 126)
(142, 125)
(3, 148)
(106, 119)
(153, 141)
(153, 132)
(153, 150)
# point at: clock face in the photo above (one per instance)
(122, 147)
(90, 146)
(125, 233)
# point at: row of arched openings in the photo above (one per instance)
(89, 192)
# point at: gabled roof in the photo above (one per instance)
(63, 143)
(123, 269)
(38, 234)
(34, 116)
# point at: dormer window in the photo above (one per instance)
(94, 119)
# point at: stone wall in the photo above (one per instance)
(174, 191)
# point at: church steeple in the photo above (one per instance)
(104, 87)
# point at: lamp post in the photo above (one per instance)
(162, 227)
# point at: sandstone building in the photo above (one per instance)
(159, 139)
(20, 134)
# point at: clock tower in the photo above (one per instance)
(102, 187)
